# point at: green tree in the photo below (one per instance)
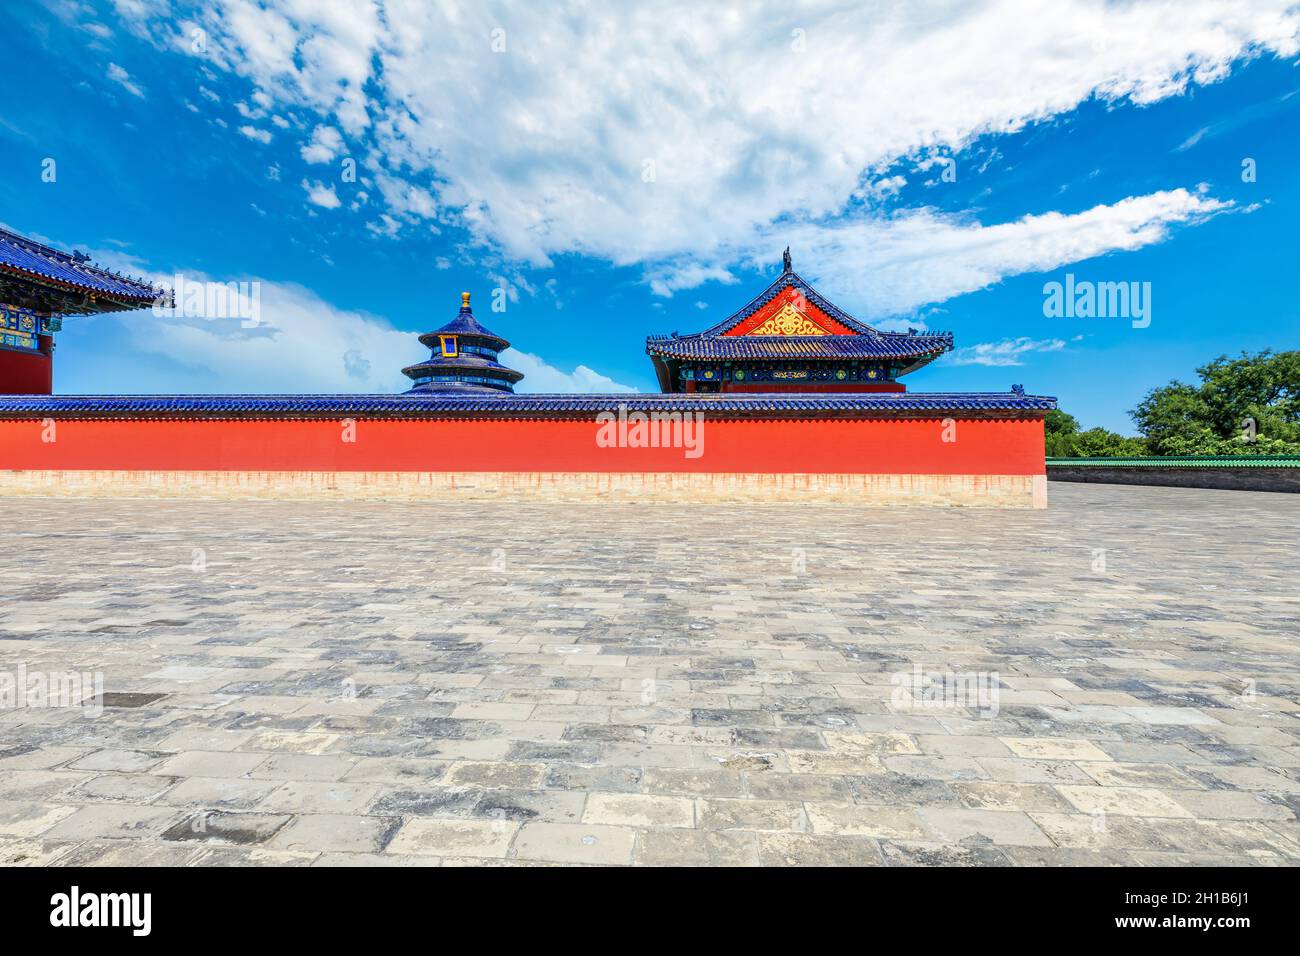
(1248, 405)
(1063, 439)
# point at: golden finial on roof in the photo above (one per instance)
(464, 300)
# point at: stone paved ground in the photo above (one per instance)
(422, 683)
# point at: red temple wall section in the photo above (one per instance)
(27, 373)
(822, 446)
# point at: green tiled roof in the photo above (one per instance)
(1183, 461)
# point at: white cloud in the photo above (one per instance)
(319, 194)
(326, 143)
(123, 78)
(541, 377)
(259, 135)
(892, 266)
(1006, 352)
(649, 134)
(303, 344)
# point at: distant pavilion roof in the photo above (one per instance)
(40, 277)
(845, 337)
(462, 358)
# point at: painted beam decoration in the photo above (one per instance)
(19, 328)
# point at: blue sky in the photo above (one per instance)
(634, 170)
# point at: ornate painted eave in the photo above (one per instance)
(43, 278)
(881, 345)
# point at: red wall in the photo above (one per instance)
(27, 373)
(1013, 447)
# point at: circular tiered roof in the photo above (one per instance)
(463, 359)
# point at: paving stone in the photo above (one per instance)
(1230, 805)
(796, 786)
(472, 838)
(486, 774)
(226, 826)
(554, 806)
(1033, 771)
(1115, 774)
(218, 793)
(318, 797)
(681, 847)
(247, 856)
(804, 849)
(130, 788)
(1124, 801)
(375, 859)
(896, 789)
(303, 767)
(989, 795)
(853, 819)
(724, 814)
(336, 833)
(1050, 748)
(427, 801)
(126, 853)
(639, 810)
(575, 843)
(912, 853)
(44, 785)
(1001, 827)
(113, 821)
(30, 757)
(699, 783)
(608, 662)
(30, 819)
(123, 761)
(397, 770)
(210, 764)
(29, 852)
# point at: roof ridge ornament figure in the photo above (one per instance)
(786, 266)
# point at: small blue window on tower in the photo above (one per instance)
(448, 343)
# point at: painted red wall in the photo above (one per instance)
(27, 373)
(827, 446)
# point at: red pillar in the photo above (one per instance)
(28, 373)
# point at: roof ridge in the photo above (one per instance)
(786, 280)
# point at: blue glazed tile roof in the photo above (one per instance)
(27, 257)
(714, 344)
(466, 326)
(437, 363)
(875, 345)
(750, 405)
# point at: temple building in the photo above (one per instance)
(791, 339)
(38, 286)
(463, 359)
(809, 407)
